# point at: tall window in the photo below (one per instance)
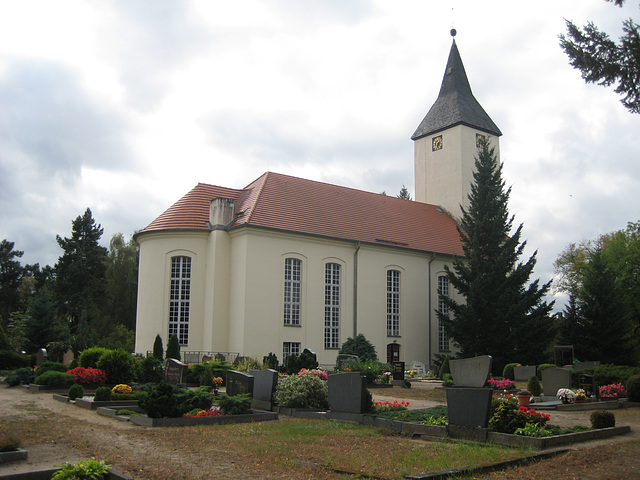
(443, 308)
(393, 303)
(289, 348)
(292, 289)
(332, 305)
(179, 298)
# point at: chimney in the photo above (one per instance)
(221, 213)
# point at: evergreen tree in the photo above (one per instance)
(41, 325)
(10, 274)
(173, 347)
(122, 281)
(158, 350)
(404, 193)
(360, 346)
(81, 272)
(501, 316)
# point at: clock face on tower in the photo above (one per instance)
(436, 143)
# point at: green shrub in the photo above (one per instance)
(602, 419)
(103, 394)
(448, 380)
(158, 349)
(118, 365)
(543, 367)
(304, 391)
(55, 379)
(90, 357)
(74, 363)
(21, 375)
(271, 361)
(135, 395)
(10, 359)
(202, 373)
(150, 370)
(83, 470)
(360, 346)
(51, 367)
(235, 405)
(76, 391)
(608, 374)
(12, 379)
(188, 400)
(633, 388)
(507, 371)
(533, 385)
(161, 402)
(173, 347)
(295, 363)
(507, 418)
(371, 369)
(249, 363)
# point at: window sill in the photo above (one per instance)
(291, 325)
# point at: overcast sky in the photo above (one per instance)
(124, 106)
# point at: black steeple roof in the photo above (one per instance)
(456, 104)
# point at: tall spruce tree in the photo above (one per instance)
(500, 316)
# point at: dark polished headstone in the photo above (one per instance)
(175, 371)
(347, 392)
(239, 383)
(398, 370)
(265, 383)
(469, 407)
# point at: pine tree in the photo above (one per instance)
(173, 347)
(501, 316)
(404, 193)
(158, 350)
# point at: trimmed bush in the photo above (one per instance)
(158, 349)
(55, 379)
(507, 371)
(633, 388)
(150, 370)
(200, 399)
(90, 357)
(103, 394)
(161, 402)
(21, 375)
(305, 391)
(533, 385)
(120, 366)
(602, 419)
(173, 347)
(51, 366)
(235, 405)
(608, 374)
(10, 359)
(543, 367)
(360, 346)
(76, 391)
(295, 363)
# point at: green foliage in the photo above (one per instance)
(533, 430)
(633, 388)
(89, 357)
(556, 430)
(52, 366)
(10, 359)
(161, 402)
(271, 361)
(83, 470)
(543, 367)
(498, 314)
(295, 363)
(121, 286)
(119, 338)
(305, 391)
(235, 405)
(76, 391)
(126, 411)
(11, 273)
(173, 347)
(103, 394)
(602, 419)
(414, 415)
(203, 373)
(150, 370)
(508, 372)
(506, 418)
(55, 379)
(21, 375)
(533, 385)
(188, 400)
(249, 363)
(372, 369)
(445, 369)
(360, 346)
(41, 325)
(118, 365)
(608, 374)
(135, 395)
(158, 349)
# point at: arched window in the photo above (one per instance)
(179, 298)
(443, 308)
(393, 303)
(292, 290)
(332, 305)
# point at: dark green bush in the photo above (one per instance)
(12, 379)
(76, 391)
(371, 369)
(533, 385)
(360, 346)
(135, 395)
(295, 363)
(202, 373)
(271, 361)
(55, 379)
(506, 418)
(200, 399)
(158, 349)
(52, 366)
(21, 375)
(507, 371)
(10, 359)
(543, 367)
(608, 374)
(633, 388)
(103, 394)
(161, 402)
(150, 370)
(173, 347)
(90, 357)
(444, 368)
(118, 365)
(602, 419)
(235, 405)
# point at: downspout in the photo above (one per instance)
(429, 305)
(355, 290)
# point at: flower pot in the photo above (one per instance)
(523, 400)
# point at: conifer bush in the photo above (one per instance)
(602, 419)
(90, 357)
(103, 394)
(633, 388)
(158, 349)
(533, 385)
(120, 366)
(76, 391)
(235, 405)
(55, 379)
(173, 348)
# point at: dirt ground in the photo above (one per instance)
(48, 449)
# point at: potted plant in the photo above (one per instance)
(566, 395)
(524, 397)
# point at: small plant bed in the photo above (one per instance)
(120, 413)
(417, 415)
(91, 404)
(146, 421)
(10, 450)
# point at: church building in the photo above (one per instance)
(286, 263)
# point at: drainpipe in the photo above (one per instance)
(355, 290)
(429, 305)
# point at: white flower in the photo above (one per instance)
(565, 392)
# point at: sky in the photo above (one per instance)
(124, 106)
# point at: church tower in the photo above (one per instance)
(446, 141)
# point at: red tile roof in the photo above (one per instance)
(282, 202)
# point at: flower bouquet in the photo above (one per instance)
(566, 395)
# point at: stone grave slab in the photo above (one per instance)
(347, 392)
(553, 379)
(471, 372)
(523, 374)
(239, 383)
(41, 356)
(68, 357)
(343, 360)
(419, 368)
(265, 383)
(469, 407)
(175, 371)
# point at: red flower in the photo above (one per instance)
(88, 376)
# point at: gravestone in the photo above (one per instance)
(219, 357)
(553, 379)
(68, 357)
(343, 360)
(583, 365)
(239, 383)
(41, 356)
(420, 369)
(175, 371)
(523, 374)
(238, 360)
(397, 371)
(206, 358)
(265, 383)
(347, 393)
(311, 353)
(471, 372)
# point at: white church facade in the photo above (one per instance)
(286, 263)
